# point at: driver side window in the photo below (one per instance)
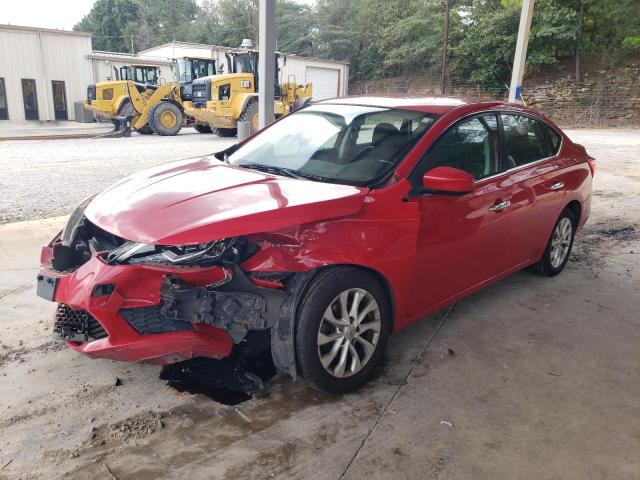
(471, 146)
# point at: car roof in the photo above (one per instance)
(434, 104)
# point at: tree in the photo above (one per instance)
(111, 23)
(485, 54)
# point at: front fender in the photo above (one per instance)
(372, 239)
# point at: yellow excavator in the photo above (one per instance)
(221, 101)
(148, 107)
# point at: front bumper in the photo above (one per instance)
(123, 320)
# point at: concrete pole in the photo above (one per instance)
(266, 62)
(521, 51)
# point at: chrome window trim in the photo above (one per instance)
(498, 111)
(526, 165)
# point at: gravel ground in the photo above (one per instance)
(46, 178)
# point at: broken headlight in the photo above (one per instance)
(74, 222)
(134, 253)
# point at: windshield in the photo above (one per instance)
(246, 63)
(188, 69)
(349, 144)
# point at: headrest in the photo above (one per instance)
(383, 131)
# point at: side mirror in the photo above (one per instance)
(448, 180)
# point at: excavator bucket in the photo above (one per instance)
(122, 127)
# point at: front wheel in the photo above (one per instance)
(342, 328)
(165, 118)
(556, 254)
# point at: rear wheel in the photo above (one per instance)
(556, 254)
(202, 128)
(251, 114)
(165, 118)
(342, 328)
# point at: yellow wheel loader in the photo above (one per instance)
(149, 107)
(221, 101)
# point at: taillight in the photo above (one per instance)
(592, 165)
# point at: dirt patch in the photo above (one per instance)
(595, 242)
(21, 354)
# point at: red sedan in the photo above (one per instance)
(319, 236)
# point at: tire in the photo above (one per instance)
(127, 109)
(165, 119)
(312, 327)
(250, 114)
(553, 260)
(202, 128)
(225, 132)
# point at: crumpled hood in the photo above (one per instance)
(203, 199)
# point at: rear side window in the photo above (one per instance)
(524, 139)
(554, 139)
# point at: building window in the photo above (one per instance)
(59, 100)
(4, 111)
(30, 99)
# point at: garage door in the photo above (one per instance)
(326, 82)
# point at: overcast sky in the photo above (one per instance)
(62, 14)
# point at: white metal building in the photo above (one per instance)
(43, 72)
(330, 78)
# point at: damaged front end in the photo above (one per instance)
(162, 304)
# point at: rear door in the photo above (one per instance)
(4, 111)
(538, 175)
(30, 99)
(59, 100)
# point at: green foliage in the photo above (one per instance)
(485, 54)
(383, 37)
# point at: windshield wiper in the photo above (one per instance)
(287, 172)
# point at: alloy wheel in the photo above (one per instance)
(560, 242)
(349, 332)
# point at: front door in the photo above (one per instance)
(30, 99)
(463, 240)
(59, 100)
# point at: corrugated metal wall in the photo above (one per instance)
(43, 55)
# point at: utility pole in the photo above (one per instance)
(133, 50)
(521, 51)
(445, 46)
(266, 60)
(578, 40)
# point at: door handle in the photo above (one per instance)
(556, 186)
(499, 206)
